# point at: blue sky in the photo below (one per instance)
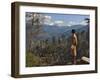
(68, 17)
(65, 19)
(61, 19)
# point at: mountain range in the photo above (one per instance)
(47, 31)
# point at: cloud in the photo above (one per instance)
(48, 17)
(59, 23)
(48, 20)
(83, 23)
(71, 23)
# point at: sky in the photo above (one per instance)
(63, 19)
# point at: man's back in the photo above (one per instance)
(74, 39)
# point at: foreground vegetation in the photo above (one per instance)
(56, 51)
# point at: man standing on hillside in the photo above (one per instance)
(74, 46)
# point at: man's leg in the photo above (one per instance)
(75, 55)
(73, 52)
(74, 60)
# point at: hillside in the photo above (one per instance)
(50, 45)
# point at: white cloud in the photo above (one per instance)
(71, 23)
(59, 23)
(48, 17)
(83, 23)
(48, 20)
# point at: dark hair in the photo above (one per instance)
(73, 30)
